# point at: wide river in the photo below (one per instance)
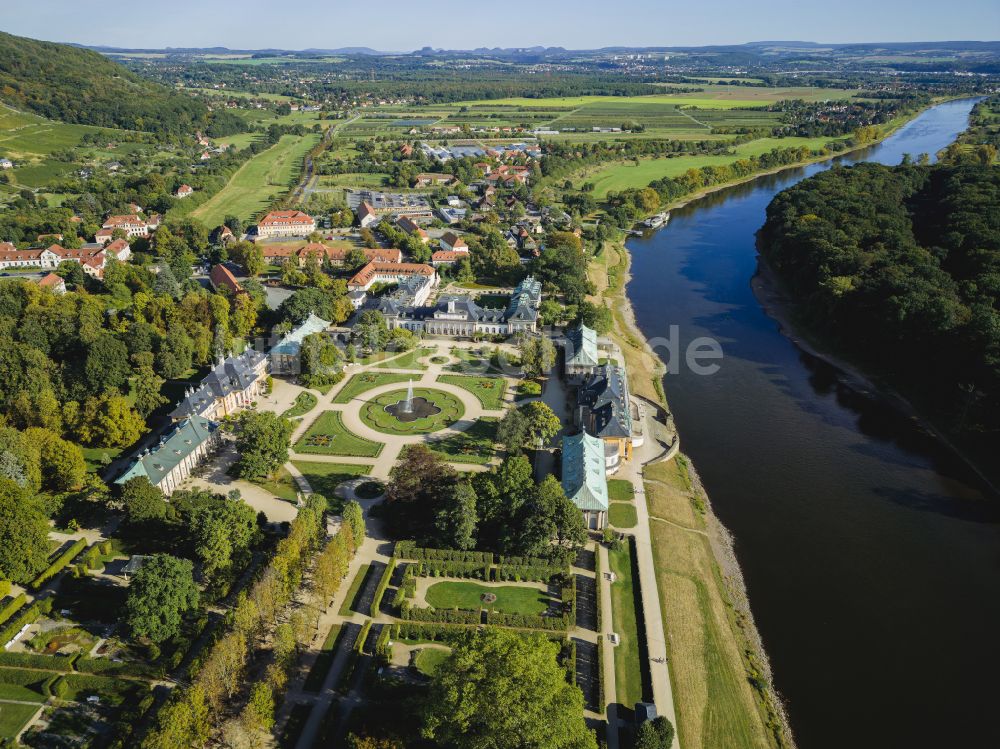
(870, 552)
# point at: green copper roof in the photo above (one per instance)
(583, 474)
(584, 347)
(172, 449)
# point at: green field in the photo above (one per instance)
(324, 478)
(258, 182)
(718, 97)
(429, 660)
(628, 676)
(620, 490)
(375, 416)
(477, 444)
(364, 381)
(281, 485)
(622, 515)
(408, 360)
(489, 390)
(13, 717)
(327, 435)
(621, 176)
(511, 599)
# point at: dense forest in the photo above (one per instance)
(900, 267)
(79, 86)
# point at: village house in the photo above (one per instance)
(285, 353)
(222, 235)
(584, 478)
(132, 224)
(184, 191)
(286, 224)
(411, 227)
(447, 257)
(176, 456)
(222, 278)
(366, 215)
(604, 410)
(433, 179)
(6, 164)
(336, 255)
(92, 257)
(453, 242)
(54, 283)
(232, 385)
(381, 272)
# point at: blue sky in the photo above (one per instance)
(454, 24)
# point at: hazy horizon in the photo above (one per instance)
(446, 24)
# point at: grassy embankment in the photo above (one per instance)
(258, 182)
(709, 645)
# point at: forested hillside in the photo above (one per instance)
(79, 86)
(900, 266)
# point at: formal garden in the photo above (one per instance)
(303, 404)
(409, 360)
(432, 410)
(365, 381)
(477, 444)
(489, 390)
(328, 436)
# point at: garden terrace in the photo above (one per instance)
(328, 436)
(374, 414)
(489, 390)
(364, 381)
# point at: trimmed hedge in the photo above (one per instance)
(60, 562)
(409, 550)
(108, 667)
(433, 632)
(519, 573)
(441, 568)
(359, 645)
(449, 616)
(12, 607)
(527, 621)
(36, 660)
(4, 587)
(383, 584)
(382, 649)
(28, 616)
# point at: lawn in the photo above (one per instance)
(706, 649)
(281, 485)
(324, 478)
(110, 690)
(408, 360)
(511, 599)
(619, 176)
(482, 362)
(22, 684)
(328, 436)
(348, 604)
(13, 717)
(374, 415)
(620, 490)
(321, 666)
(429, 660)
(304, 403)
(628, 674)
(477, 444)
(364, 381)
(622, 515)
(95, 456)
(258, 182)
(489, 390)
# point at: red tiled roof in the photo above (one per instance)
(364, 276)
(285, 218)
(222, 276)
(50, 279)
(447, 256)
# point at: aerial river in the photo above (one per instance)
(870, 552)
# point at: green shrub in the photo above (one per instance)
(383, 584)
(12, 607)
(4, 587)
(57, 566)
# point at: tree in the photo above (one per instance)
(110, 421)
(262, 444)
(355, 259)
(160, 594)
(505, 690)
(597, 317)
(455, 521)
(538, 356)
(224, 532)
(250, 255)
(541, 422)
(24, 534)
(147, 385)
(354, 517)
(60, 461)
(512, 431)
(142, 503)
(655, 734)
(106, 366)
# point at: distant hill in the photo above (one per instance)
(76, 85)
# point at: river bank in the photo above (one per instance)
(730, 632)
(780, 307)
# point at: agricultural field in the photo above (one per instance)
(258, 182)
(619, 176)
